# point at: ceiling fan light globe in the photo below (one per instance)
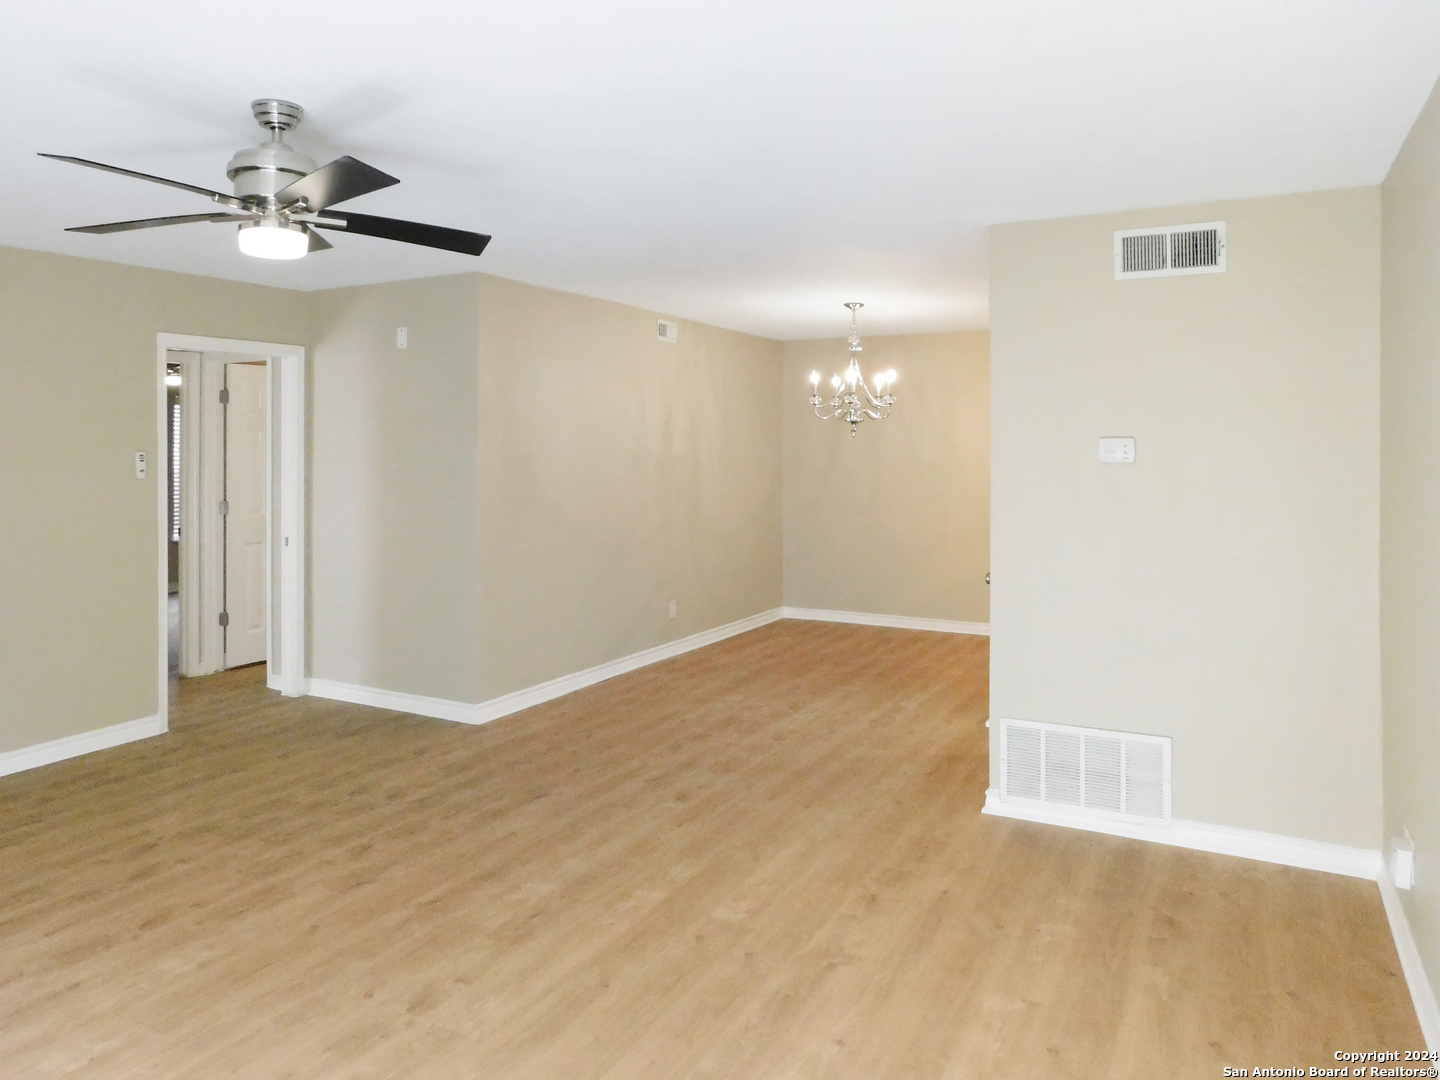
(273, 240)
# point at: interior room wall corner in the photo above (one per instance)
(896, 520)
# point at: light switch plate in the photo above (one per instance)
(667, 331)
(142, 464)
(402, 337)
(1115, 450)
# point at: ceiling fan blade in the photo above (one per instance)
(155, 222)
(219, 197)
(344, 178)
(407, 232)
(317, 242)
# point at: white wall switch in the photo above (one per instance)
(402, 337)
(1117, 451)
(667, 331)
(142, 465)
(674, 609)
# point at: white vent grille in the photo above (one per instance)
(1104, 772)
(1171, 250)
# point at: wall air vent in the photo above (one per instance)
(1108, 773)
(1170, 250)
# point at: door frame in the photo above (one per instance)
(202, 531)
(285, 591)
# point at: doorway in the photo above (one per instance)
(232, 508)
(218, 471)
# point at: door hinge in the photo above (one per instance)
(225, 396)
(224, 507)
(224, 618)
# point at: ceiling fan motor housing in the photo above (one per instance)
(271, 166)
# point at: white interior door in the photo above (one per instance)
(245, 518)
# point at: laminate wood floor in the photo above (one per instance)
(764, 859)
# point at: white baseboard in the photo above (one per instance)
(1221, 839)
(899, 622)
(1421, 990)
(485, 711)
(32, 757)
(566, 684)
(417, 704)
(465, 712)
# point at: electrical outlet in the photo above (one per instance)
(674, 609)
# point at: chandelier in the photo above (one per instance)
(853, 402)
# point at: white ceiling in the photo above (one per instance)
(751, 164)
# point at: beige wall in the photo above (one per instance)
(613, 479)
(516, 496)
(1410, 517)
(895, 521)
(617, 472)
(392, 476)
(79, 535)
(1223, 589)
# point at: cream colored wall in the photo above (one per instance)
(79, 535)
(392, 477)
(1410, 517)
(1222, 590)
(611, 483)
(895, 521)
(617, 472)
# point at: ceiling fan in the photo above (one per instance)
(281, 198)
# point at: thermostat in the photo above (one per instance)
(1117, 451)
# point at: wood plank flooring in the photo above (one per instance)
(764, 859)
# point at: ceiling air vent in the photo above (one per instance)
(1170, 250)
(1086, 770)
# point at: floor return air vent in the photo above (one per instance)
(1086, 770)
(1170, 250)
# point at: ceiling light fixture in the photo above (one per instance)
(848, 404)
(281, 198)
(271, 239)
